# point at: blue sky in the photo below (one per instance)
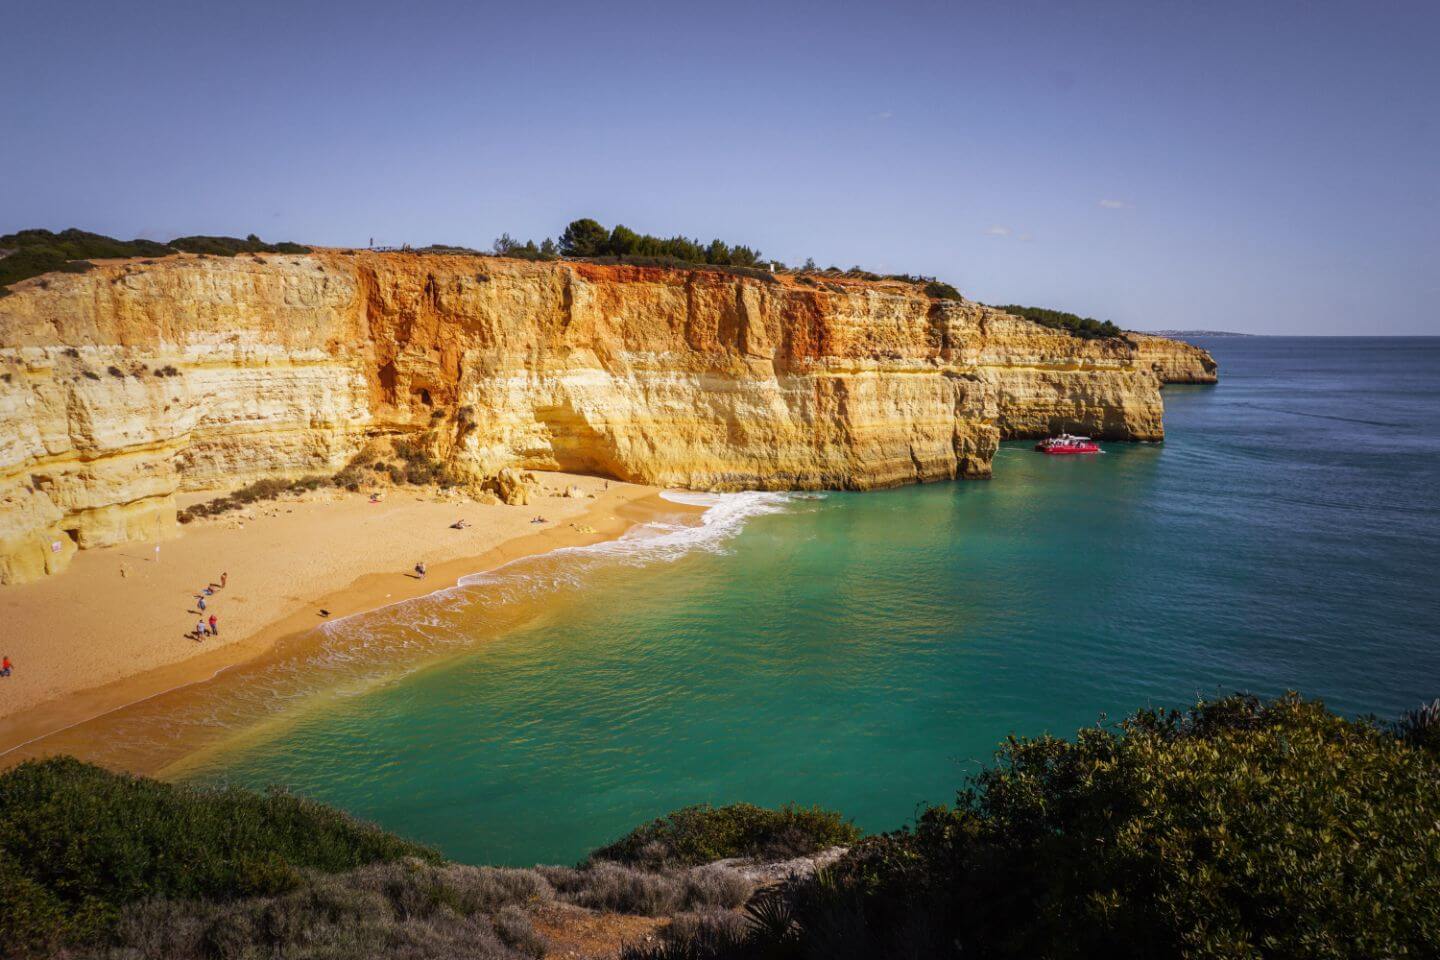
(1263, 166)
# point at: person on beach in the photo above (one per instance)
(209, 591)
(201, 601)
(5, 667)
(214, 628)
(199, 629)
(420, 570)
(224, 577)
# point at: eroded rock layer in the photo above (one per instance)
(121, 386)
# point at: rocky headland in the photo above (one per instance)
(125, 385)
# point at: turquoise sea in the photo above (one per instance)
(868, 651)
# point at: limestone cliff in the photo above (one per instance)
(138, 379)
(1174, 361)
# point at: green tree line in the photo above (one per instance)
(1087, 328)
(29, 253)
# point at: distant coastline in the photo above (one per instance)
(1198, 333)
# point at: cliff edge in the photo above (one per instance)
(123, 385)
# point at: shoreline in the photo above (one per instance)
(26, 730)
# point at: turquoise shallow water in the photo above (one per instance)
(868, 651)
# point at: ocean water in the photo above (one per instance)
(868, 651)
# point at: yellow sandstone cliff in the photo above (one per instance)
(123, 385)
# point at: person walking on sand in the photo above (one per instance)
(201, 601)
(214, 627)
(199, 629)
(5, 667)
(224, 578)
(420, 570)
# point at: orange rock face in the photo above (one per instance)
(138, 379)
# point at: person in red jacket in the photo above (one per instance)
(214, 630)
(5, 666)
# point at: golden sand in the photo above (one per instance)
(111, 632)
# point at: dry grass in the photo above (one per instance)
(411, 910)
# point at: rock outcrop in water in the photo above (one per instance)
(125, 384)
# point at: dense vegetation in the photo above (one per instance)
(1086, 328)
(78, 843)
(704, 834)
(1238, 829)
(587, 238)
(124, 866)
(40, 251)
(33, 252)
(409, 910)
(233, 246)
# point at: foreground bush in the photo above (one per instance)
(77, 843)
(1237, 829)
(124, 866)
(408, 910)
(616, 888)
(704, 834)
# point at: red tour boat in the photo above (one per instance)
(1066, 443)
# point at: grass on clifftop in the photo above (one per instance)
(33, 252)
(1086, 328)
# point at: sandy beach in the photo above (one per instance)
(116, 628)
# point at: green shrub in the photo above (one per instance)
(1240, 828)
(590, 239)
(941, 291)
(41, 251)
(702, 834)
(91, 841)
(233, 246)
(1086, 328)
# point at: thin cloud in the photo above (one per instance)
(882, 115)
(998, 231)
(1114, 204)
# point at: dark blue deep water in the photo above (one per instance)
(868, 651)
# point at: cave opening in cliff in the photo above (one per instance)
(425, 397)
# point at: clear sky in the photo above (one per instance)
(1261, 166)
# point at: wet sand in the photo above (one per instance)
(92, 642)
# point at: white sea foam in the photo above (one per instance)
(361, 650)
(428, 621)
